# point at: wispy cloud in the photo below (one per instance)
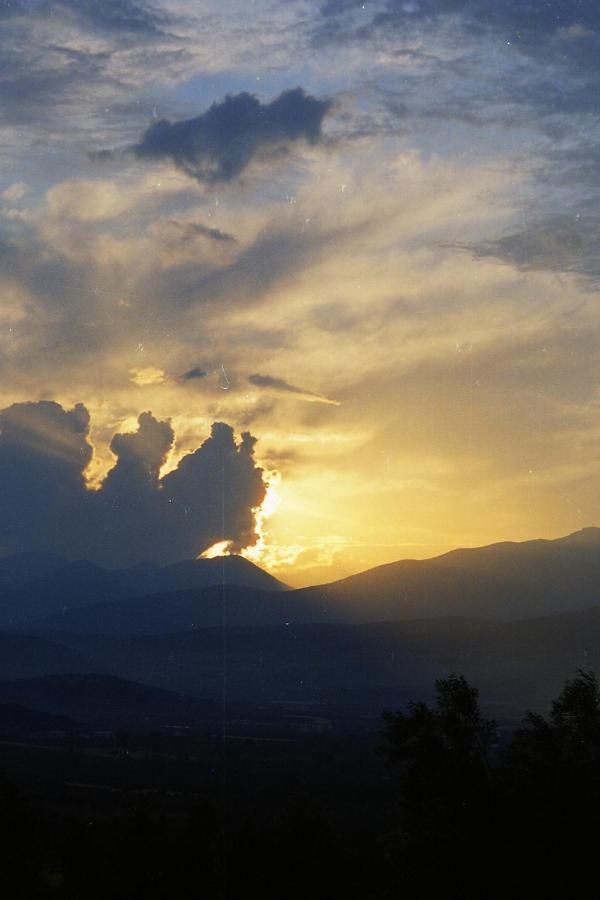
(279, 385)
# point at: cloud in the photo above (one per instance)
(135, 514)
(563, 242)
(101, 156)
(86, 201)
(120, 15)
(193, 374)
(16, 192)
(218, 145)
(281, 386)
(524, 22)
(189, 230)
(113, 15)
(148, 375)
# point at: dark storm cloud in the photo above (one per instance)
(135, 515)
(43, 453)
(193, 374)
(220, 143)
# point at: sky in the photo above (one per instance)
(360, 237)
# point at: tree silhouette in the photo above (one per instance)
(576, 716)
(571, 734)
(455, 730)
(441, 755)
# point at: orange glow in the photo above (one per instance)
(269, 505)
(221, 548)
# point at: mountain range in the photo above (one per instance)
(502, 581)
(515, 618)
(36, 586)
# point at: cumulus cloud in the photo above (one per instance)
(135, 514)
(279, 385)
(220, 143)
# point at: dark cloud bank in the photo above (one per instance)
(219, 144)
(135, 515)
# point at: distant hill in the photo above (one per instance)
(20, 721)
(517, 665)
(108, 702)
(55, 586)
(209, 607)
(25, 656)
(503, 581)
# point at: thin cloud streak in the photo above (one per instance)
(279, 385)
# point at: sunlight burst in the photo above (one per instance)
(269, 506)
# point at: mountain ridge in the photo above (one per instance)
(81, 583)
(506, 580)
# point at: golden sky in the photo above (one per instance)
(400, 301)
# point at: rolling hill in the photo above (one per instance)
(25, 656)
(517, 665)
(20, 721)
(107, 701)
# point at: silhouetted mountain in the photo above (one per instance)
(80, 584)
(506, 580)
(200, 573)
(109, 702)
(502, 581)
(75, 584)
(25, 656)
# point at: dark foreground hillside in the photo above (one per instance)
(435, 805)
